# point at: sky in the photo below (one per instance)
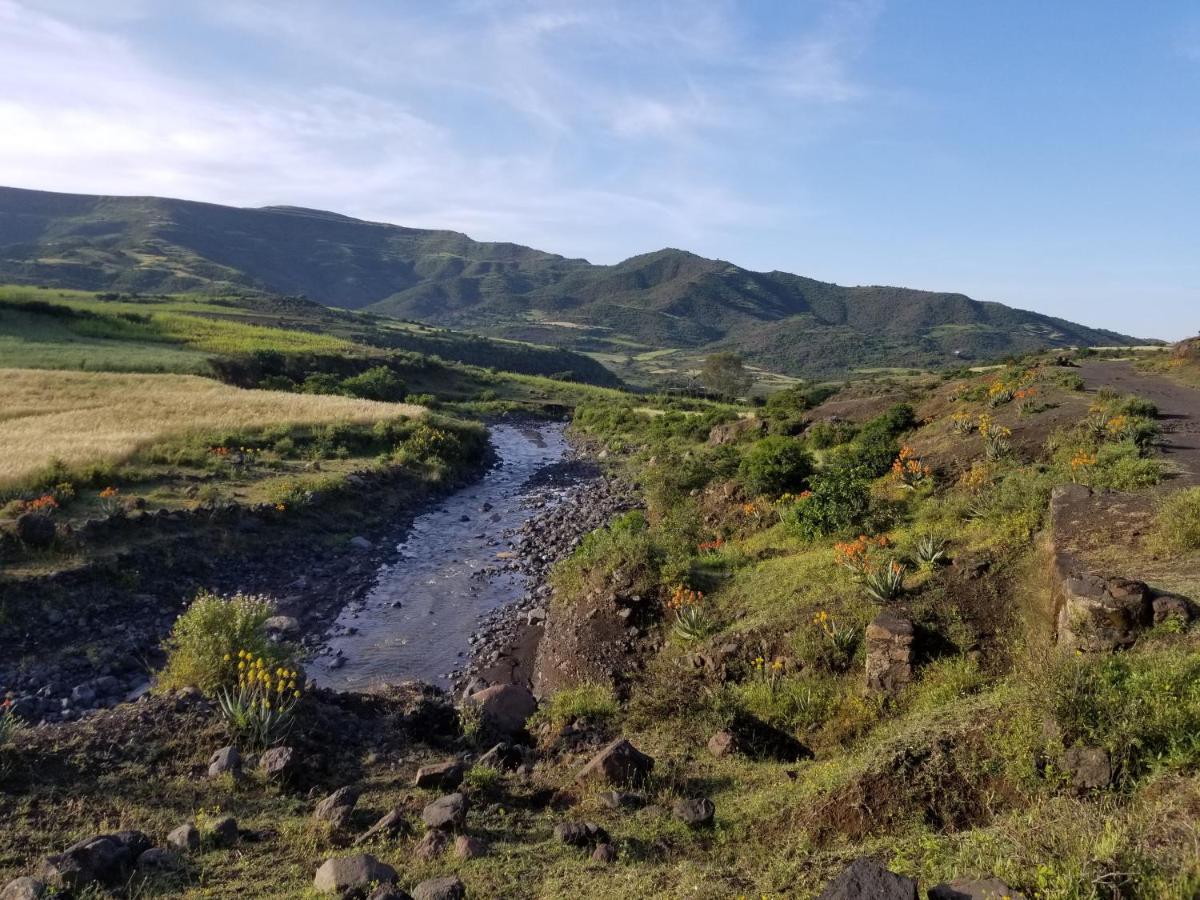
(1043, 155)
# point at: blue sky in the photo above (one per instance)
(1045, 155)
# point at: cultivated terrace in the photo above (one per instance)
(915, 636)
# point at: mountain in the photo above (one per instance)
(669, 300)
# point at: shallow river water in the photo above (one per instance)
(417, 619)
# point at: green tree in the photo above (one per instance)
(725, 373)
(776, 465)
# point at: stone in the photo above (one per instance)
(36, 529)
(723, 743)
(448, 812)
(502, 757)
(337, 808)
(225, 831)
(160, 860)
(604, 853)
(446, 888)
(23, 888)
(352, 876)
(695, 812)
(278, 763)
(620, 799)
(504, 708)
(1172, 606)
(389, 825)
(974, 889)
(865, 879)
(618, 763)
(889, 640)
(1089, 768)
(287, 627)
(136, 842)
(388, 892)
(100, 858)
(360, 543)
(580, 834)
(1102, 614)
(432, 845)
(226, 760)
(466, 847)
(446, 775)
(186, 837)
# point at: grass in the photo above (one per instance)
(82, 418)
(1176, 526)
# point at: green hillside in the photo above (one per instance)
(669, 299)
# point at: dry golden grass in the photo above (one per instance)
(84, 417)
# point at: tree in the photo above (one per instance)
(725, 373)
(775, 466)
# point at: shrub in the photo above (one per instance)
(203, 646)
(378, 383)
(774, 466)
(1177, 522)
(590, 701)
(824, 435)
(624, 545)
(838, 503)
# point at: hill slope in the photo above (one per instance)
(667, 299)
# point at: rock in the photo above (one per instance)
(731, 432)
(504, 708)
(185, 837)
(723, 743)
(278, 763)
(225, 831)
(360, 543)
(432, 845)
(620, 799)
(390, 825)
(1172, 606)
(449, 812)
(82, 695)
(696, 812)
(352, 876)
(23, 888)
(388, 892)
(446, 775)
(978, 889)
(286, 627)
(1102, 614)
(100, 858)
(889, 653)
(158, 859)
(580, 834)
(447, 888)
(618, 763)
(865, 879)
(502, 757)
(1089, 768)
(136, 842)
(225, 760)
(466, 847)
(337, 807)
(36, 529)
(604, 853)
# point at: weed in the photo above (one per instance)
(1177, 522)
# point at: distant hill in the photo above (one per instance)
(669, 299)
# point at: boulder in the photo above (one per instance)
(723, 743)
(156, 859)
(278, 763)
(1172, 606)
(445, 775)
(1102, 614)
(974, 889)
(360, 543)
(446, 888)
(466, 847)
(284, 627)
(448, 812)
(618, 763)
(227, 760)
(604, 853)
(502, 757)
(23, 888)
(504, 708)
(580, 834)
(225, 831)
(388, 892)
(695, 812)
(337, 808)
(96, 859)
(865, 879)
(352, 876)
(1088, 767)
(36, 529)
(391, 824)
(186, 837)
(889, 640)
(432, 845)
(621, 799)
(136, 842)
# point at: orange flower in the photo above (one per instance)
(109, 492)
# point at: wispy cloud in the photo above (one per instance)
(575, 126)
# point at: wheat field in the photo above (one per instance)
(85, 417)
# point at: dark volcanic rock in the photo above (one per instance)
(865, 879)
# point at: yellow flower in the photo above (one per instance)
(297, 695)
(226, 657)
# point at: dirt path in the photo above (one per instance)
(1178, 408)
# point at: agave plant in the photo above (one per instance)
(929, 550)
(692, 624)
(886, 581)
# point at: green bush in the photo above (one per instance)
(378, 383)
(595, 703)
(839, 503)
(824, 435)
(775, 466)
(1177, 522)
(202, 649)
(1121, 467)
(625, 545)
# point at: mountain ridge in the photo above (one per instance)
(664, 300)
